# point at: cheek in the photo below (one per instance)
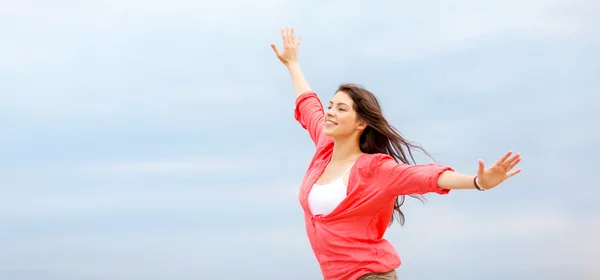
(347, 122)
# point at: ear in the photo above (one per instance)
(361, 125)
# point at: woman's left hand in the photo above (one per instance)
(500, 171)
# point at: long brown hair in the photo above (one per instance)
(380, 136)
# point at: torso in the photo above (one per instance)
(353, 219)
(323, 198)
(334, 171)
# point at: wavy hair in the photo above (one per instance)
(381, 137)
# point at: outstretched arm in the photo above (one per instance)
(402, 179)
(394, 179)
(309, 109)
(486, 178)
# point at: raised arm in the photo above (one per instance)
(289, 58)
(309, 109)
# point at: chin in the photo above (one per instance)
(328, 131)
(333, 132)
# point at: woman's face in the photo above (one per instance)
(340, 119)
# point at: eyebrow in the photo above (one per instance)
(339, 103)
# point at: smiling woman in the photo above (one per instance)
(361, 170)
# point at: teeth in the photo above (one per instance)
(329, 122)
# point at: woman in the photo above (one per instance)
(360, 169)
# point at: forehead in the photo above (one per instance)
(341, 97)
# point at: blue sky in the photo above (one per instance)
(155, 140)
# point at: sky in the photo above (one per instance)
(156, 140)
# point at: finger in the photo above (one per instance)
(299, 40)
(275, 49)
(514, 157)
(283, 38)
(509, 161)
(513, 173)
(288, 35)
(481, 166)
(503, 158)
(293, 37)
(513, 163)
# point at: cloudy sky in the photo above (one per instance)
(154, 140)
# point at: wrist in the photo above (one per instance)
(477, 184)
(292, 64)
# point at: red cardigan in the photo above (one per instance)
(348, 242)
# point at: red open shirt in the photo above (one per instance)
(348, 242)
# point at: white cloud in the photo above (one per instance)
(526, 237)
(49, 203)
(135, 15)
(145, 167)
(193, 165)
(518, 219)
(422, 28)
(134, 58)
(174, 60)
(106, 59)
(157, 255)
(189, 102)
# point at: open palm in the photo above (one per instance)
(290, 46)
(500, 171)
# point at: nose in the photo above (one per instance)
(329, 112)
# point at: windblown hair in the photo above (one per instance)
(381, 137)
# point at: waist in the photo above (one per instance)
(390, 275)
(350, 259)
(367, 272)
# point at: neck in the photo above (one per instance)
(345, 149)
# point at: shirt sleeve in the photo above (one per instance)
(310, 114)
(403, 179)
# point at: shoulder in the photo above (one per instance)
(309, 98)
(373, 160)
(370, 164)
(307, 95)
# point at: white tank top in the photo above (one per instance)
(323, 199)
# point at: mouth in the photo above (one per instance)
(330, 123)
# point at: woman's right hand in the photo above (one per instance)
(290, 46)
